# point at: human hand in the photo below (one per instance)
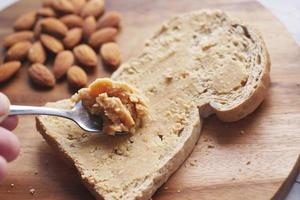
(9, 143)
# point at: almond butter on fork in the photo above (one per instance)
(106, 106)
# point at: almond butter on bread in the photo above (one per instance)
(218, 66)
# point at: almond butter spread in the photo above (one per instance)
(120, 106)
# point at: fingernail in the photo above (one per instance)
(4, 106)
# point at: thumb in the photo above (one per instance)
(4, 106)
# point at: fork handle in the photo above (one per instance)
(35, 110)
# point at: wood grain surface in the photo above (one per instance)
(250, 159)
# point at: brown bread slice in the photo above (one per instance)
(203, 62)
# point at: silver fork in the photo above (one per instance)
(78, 114)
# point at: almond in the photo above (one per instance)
(77, 77)
(37, 30)
(72, 38)
(85, 55)
(88, 27)
(36, 53)
(102, 36)
(17, 37)
(63, 61)
(54, 27)
(93, 8)
(109, 19)
(46, 12)
(110, 53)
(41, 75)
(63, 6)
(7, 70)
(48, 3)
(18, 51)
(51, 43)
(78, 5)
(72, 21)
(25, 21)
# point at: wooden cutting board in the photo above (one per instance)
(250, 159)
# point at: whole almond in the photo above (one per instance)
(109, 19)
(78, 5)
(77, 77)
(102, 36)
(72, 21)
(85, 55)
(37, 30)
(51, 43)
(36, 53)
(110, 53)
(25, 21)
(41, 75)
(18, 51)
(93, 8)
(88, 27)
(47, 3)
(72, 38)
(46, 12)
(63, 6)
(17, 37)
(54, 27)
(8, 69)
(63, 61)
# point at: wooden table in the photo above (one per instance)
(250, 159)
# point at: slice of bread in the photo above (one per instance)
(203, 62)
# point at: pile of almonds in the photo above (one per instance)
(71, 30)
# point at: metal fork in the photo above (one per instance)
(78, 114)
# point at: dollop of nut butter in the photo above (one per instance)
(120, 106)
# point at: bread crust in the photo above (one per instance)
(259, 93)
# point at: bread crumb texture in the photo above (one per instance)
(120, 106)
(195, 60)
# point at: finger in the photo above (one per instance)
(3, 168)
(9, 145)
(4, 107)
(10, 123)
